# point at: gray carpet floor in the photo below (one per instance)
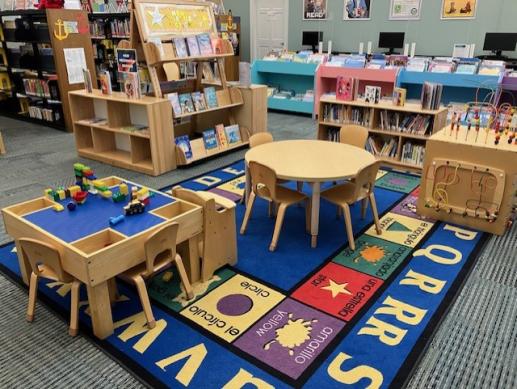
(474, 347)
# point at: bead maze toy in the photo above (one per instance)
(470, 171)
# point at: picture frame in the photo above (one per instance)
(405, 10)
(357, 9)
(315, 10)
(458, 9)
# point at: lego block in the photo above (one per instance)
(114, 220)
(61, 194)
(71, 206)
(49, 193)
(74, 189)
(123, 189)
(58, 207)
(107, 194)
(118, 197)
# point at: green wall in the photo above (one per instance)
(432, 35)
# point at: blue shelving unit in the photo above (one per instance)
(457, 87)
(295, 76)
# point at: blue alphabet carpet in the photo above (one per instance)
(298, 317)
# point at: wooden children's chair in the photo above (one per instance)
(264, 184)
(160, 253)
(361, 189)
(218, 244)
(354, 135)
(45, 261)
(260, 138)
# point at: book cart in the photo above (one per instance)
(369, 116)
(154, 39)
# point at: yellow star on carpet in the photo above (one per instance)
(157, 16)
(336, 288)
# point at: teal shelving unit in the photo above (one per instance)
(457, 87)
(295, 76)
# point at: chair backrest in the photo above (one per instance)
(161, 243)
(260, 138)
(263, 180)
(365, 180)
(37, 252)
(353, 135)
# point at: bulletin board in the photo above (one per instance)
(166, 19)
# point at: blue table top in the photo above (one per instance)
(93, 216)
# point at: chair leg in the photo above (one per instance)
(74, 308)
(271, 209)
(33, 292)
(371, 197)
(184, 278)
(364, 206)
(339, 212)
(144, 299)
(278, 226)
(348, 225)
(247, 214)
(308, 215)
(299, 186)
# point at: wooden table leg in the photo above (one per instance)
(189, 252)
(315, 213)
(100, 309)
(25, 266)
(247, 188)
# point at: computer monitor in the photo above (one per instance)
(498, 42)
(312, 38)
(391, 40)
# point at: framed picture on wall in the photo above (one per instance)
(314, 9)
(458, 9)
(405, 9)
(357, 9)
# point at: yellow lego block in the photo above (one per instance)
(74, 189)
(58, 207)
(123, 189)
(62, 195)
(106, 194)
(48, 193)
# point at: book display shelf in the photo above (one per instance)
(456, 87)
(33, 58)
(397, 134)
(134, 134)
(294, 77)
(326, 80)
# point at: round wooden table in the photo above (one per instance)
(312, 161)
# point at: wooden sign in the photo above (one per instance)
(166, 19)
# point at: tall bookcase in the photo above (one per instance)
(369, 116)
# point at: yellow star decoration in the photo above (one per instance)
(336, 288)
(157, 16)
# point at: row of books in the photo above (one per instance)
(337, 113)
(413, 154)
(186, 103)
(381, 147)
(41, 87)
(105, 6)
(431, 95)
(118, 28)
(41, 113)
(196, 45)
(218, 138)
(407, 123)
(300, 57)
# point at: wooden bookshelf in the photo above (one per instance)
(150, 151)
(373, 113)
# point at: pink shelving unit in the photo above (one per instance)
(326, 77)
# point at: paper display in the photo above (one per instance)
(75, 61)
(405, 9)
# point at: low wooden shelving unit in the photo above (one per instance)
(438, 119)
(100, 128)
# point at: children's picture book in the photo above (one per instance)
(126, 60)
(372, 94)
(217, 45)
(105, 81)
(87, 81)
(183, 142)
(205, 44)
(130, 84)
(181, 47)
(199, 101)
(175, 102)
(399, 97)
(233, 134)
(221, 135)
(345, 88)
(186, 104)
(210, 97)
(210, 139)
(193, 47)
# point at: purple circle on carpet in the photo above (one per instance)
(234, 305)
